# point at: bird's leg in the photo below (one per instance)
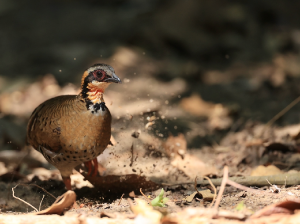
(95, 167)
(92, 168)
(88, 164)
(67, 181)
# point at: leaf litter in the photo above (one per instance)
(156, 155)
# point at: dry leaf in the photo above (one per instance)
(287, 207)
(132, 194)
(216, 113)
(192, 166)
(62, 204)
(266, 171)
(3, 169)
(191, 197)
(207, 195)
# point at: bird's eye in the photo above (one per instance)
(99, 74)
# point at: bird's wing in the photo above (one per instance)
(44, 127)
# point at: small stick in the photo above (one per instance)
(195, 185)
(281, 113)
(244, 188)
(13, 193)
(145, 196)
(285, 181)
(40, 188)
(41, 202)
(222, 188)
(131, 149)
(121, 199)
(269, 182)
(215, 191)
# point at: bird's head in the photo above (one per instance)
(96, 79)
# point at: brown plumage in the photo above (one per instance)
(73, 129)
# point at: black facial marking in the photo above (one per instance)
(98, 75)
(99, 106)
(89, 78)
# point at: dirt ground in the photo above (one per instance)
(189, 106)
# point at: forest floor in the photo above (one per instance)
(166, 134)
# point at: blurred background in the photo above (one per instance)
(203, 68)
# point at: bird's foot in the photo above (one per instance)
(67, 182)
(92, 166)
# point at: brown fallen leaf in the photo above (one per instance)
(205, 214)
(132, 194)
(3, 168)
(197, 106)
(287, 207)
(207, 195)
(62, 204)
(190, 198)
(254, 142)
(266, 171)
(193, 166)
(217, 114)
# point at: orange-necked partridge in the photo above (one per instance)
(73, 129)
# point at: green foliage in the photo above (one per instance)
(160, 200)
(240, 206)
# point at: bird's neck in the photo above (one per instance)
(93, 95)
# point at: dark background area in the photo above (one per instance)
(244, 55)
(45, 37)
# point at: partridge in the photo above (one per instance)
(73, 129)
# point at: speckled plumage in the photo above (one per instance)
(73, 129)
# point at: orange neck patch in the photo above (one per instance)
(95, 93)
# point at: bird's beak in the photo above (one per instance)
(114, 79)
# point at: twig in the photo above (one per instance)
(244, 188)
(121, 199)
(222, 188)
(211, 184)
(285, 181)
(13, 174)
(215, 191)
(13, 194)
(195, 185)
(41, 202)
(281, 113)
(145, 196)
(40, 188)
(269, 182)
(131, 149)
